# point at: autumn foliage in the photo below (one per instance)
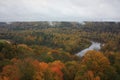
(39, 51)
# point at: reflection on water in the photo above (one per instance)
(94, 46)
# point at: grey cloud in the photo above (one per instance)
(60, 10)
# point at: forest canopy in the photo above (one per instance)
(47, 51)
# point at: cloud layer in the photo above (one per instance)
(59, 10)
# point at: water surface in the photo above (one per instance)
(94, 46)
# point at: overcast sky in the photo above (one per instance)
(59, 10)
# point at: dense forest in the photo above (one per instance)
(47, 51)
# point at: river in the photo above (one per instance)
(94, 46)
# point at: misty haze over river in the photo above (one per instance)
(94, 46)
